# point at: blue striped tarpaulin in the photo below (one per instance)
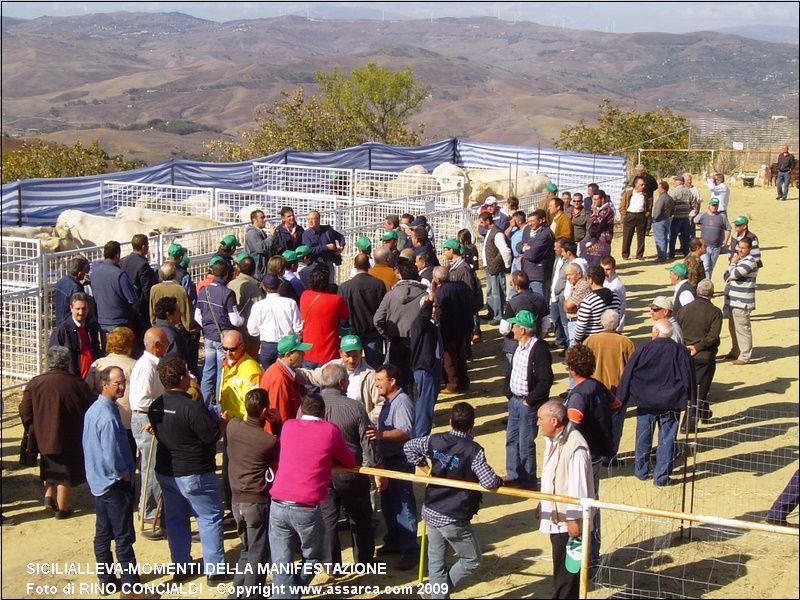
(9, 211)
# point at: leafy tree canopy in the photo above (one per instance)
(373, 103)
(621, 131)
(41, 159)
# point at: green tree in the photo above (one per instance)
(40, 159)
(372, 104)
(621, 131)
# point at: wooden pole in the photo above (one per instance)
(596, 504)
(586, 538)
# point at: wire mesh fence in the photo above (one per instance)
(173, 199)
(304, 180)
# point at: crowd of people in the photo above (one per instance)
(298, 374)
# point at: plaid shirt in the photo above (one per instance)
(416, 452)
(519, 369)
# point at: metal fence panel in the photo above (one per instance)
(388, 185)
(304, 180)
(201, 245)
(173, 199)
(23, 337)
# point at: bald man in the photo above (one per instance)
(144, 388)
(240, 374)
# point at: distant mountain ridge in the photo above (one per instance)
(490, 80)
(777, 34)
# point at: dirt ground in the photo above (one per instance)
(745, 457)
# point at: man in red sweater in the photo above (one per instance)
(309, 446)
(280, 380)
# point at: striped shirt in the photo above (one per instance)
(416, 452)
(590, 310)
(755, 249)
(740, 279)
(518, 381)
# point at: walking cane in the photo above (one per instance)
(424, 532)
(145, 481)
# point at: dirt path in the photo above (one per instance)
(747, 455)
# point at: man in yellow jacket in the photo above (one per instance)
(560, 224)
(240, 374)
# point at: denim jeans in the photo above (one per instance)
(680, 228)
(292, 528)
(709, 259)
(782, 179)
(193, 495)
(661, 233)
(252, 522)
(427, 387)
(667, 430)
(559, 319)
(148, 497)
(521, 434)
(462, 539)
(267, 354)
(212, 371)
(373, 350)
(399, 509)
(496, 293)
(114, 521)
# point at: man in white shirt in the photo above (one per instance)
(614, 283)
(144, 387)
(720, 191)
(271, 319)
(567, 471)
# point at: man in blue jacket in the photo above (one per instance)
(659, 380)
(113, 292)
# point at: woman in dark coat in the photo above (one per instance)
(52, 410)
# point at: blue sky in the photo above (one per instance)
(622, 17)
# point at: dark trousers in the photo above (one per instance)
(787, 501)
(679, 229)
(400, 356)
(252, 522)
(633, 222)
(267, 354)
(373, 349)
(114, 521)
(227, 494)
(705, 365)
(352, 492)
(454, 362)
(565, 584)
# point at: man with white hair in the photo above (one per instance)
(719, 190)
(659, 381)
(701, 323)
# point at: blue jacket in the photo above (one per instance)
(317, 242)
(218, 298)
(106, 452)
(658, 378)
(537, 262)
(113, 293)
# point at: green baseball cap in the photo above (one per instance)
(452, 244)
(350, 343)
(175, 250)
(364, 243)
(679, 269)
(214, 260)
(289, 256)
(184, 264)
(551, 187)
(714, 202)
(229, 241)
(741, 220)
(523, 318)
(241, 256)
(291, 343)
(574, 555)
(389, 235)
(302, 251)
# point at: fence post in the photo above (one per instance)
(172, 173)
(586, 538)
